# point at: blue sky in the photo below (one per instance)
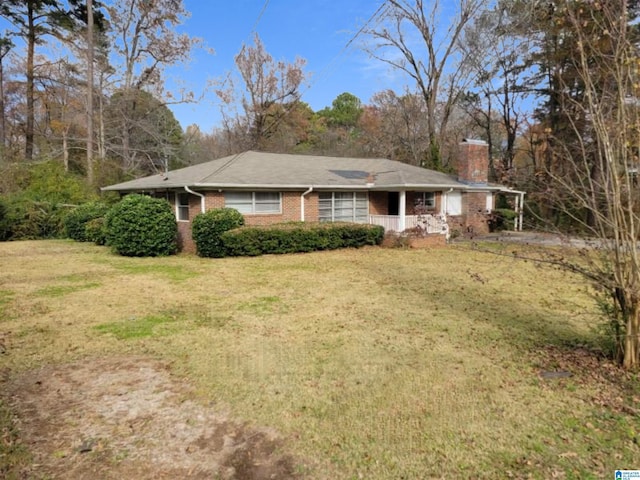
(316, 30)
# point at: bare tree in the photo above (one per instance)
(503, 81)
(596, 183)
(412, 38)
(268, 83)
(401, 132)
(58, 117)
(145, 40)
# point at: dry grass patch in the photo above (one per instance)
(375, 363)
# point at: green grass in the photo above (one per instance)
(142, 266)
(61, 290)
(377, 364)
(139, 327)
(5, 300)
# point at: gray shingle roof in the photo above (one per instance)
(274, 170)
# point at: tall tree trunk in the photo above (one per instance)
(632, 338)
(90, 176)
(65, 148)
(126, 148)
(31, 42)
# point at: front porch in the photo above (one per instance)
(429, 223)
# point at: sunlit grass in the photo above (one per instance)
(376, 363)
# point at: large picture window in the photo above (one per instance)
(343, 207)
(254, 202)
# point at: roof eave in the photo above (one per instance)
(304, 186)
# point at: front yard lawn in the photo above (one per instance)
(370, 363)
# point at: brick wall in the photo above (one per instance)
(213, 200)
(311, 207)
(473, 220)
(185, 242)
(378, 203)
(476, 212)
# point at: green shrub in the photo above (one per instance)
(76, 220)
(38, 197)
(501, 219)
(95, 231)
(207, 228)
(5, 221)
(141, 226)
(298, 238)
(28, 220)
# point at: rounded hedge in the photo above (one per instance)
(207, 228)
(96, 231)
(141, 226)
(76, 220)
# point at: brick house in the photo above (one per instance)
(272, 188)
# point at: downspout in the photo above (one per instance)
(188, 190)
(304, 194)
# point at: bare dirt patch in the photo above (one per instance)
(126, 418)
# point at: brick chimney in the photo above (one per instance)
(473, 162)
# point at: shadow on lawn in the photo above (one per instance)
(519, 320)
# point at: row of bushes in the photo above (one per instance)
(220, 233)
(300, 237)
(143, 226)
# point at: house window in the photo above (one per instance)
(426, 200)
(182, 207)
(254, 202)
(343, 207)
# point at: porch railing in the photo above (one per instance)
(430, 223)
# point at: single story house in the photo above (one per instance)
(272, 188)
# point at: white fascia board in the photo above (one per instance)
(416, 187)
(384, 188)
(517, 192)
(481, 190)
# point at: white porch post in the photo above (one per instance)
(402, 211)
(516, 221)
(521, 210)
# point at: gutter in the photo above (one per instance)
(304, 194)
(188, 190)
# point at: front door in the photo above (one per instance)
(394, 203)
